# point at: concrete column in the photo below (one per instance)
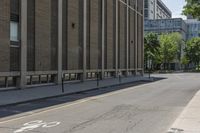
(23, 80)
(103, 37)
(127, 39)
(143, 43)
(117, 40)
(136, 39)
(60, 19)
(84, 39)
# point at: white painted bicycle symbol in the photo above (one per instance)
(36, 124)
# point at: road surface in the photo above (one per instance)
(142, 108)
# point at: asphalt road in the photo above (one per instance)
(142, 108)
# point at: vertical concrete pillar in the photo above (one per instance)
(127, 38)
(143, 42)
(136, 37)
(103, 38)
(60, 19)
(84, 39)
(23, 81)
(117, 36)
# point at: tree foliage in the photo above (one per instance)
(185, 60)
(170, 47)
(162, 49)
(192, 8)
(151, 47)
(193, 50)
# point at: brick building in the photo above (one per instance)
(42, 41)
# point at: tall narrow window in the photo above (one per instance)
(14, 31)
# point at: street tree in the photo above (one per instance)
(151, 48)
(192, 8)
(185, 61)
(193, 51)
(170, 48)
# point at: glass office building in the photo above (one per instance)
(162, 26)
(193, 28)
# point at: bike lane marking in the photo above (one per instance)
(29, 126)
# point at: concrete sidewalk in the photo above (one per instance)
(189, 120)
(36, 93)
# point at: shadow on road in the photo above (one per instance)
(42, 104)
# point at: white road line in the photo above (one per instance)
(80, 101)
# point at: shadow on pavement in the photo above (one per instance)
(42, 104)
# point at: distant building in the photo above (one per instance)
(156, 9)
(193, 28)
(161, 26)
(190, 17)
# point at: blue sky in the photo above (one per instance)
(176, 7)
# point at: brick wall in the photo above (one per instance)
(73, 29)
(42, 35)
(31, 36)
(4, 35)
(122, 36)
(110, 35)
(95, 33)
(54, 34)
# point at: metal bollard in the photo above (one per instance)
(120, 79)
(63, 89)
(97, 79)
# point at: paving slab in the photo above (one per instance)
(189, 120)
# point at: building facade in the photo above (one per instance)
(156, 9)
(162, 26)
(45, 41)
(193, 28)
